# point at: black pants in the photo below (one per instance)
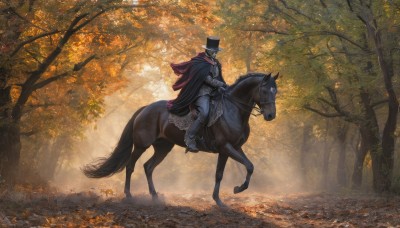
(202, 105)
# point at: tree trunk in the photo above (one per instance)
(10, 147)
(384, 154)
(304, 149)
(341, 165)
(10, 139)
(50, 156)
(10, 114)
(361, 152)
(388, 135)
(10, 143)
(370, 135)
(325, 159)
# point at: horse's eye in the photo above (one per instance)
(273, 90)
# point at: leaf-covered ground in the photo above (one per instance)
(25, 207)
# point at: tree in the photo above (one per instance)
(36, 56)
(344, 66)
(61, 58)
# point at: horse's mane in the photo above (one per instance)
(246, 76)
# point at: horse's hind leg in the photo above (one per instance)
(222, 158)
(161, 150)
(137, 152)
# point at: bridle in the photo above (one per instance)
(249, 108)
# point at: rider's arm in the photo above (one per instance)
(213, 82)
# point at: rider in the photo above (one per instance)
(199, 78)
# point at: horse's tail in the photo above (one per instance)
(118, 159)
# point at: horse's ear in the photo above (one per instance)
(276, 76)
(267, 76)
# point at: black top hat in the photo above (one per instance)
(212, 43)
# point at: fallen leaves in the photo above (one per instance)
(32, 207)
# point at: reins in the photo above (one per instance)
(249, 108)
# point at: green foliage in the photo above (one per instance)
(316, 44)
(327, 55)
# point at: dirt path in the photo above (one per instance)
(41, 208)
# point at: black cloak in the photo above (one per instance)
(192, 75)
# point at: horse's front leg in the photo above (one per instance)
(239, 156)
(222, 158)
(250, 170)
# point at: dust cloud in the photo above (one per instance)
(180, 172)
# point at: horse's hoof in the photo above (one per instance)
(221, 205)
(158, 200)
(192, 149)
(128, 196)
(128, 199)
(155, 199)
(237, 190)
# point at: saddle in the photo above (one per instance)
(183, 122)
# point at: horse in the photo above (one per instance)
(150, 126)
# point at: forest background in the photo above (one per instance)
(73, 72)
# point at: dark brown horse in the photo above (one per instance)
(150, 126)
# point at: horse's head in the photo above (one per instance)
(265, 97)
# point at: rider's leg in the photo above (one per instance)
(203, 106)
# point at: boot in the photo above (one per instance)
(190, 136)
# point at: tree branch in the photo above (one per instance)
(348, 116)
(309, 34)
(323, 3)
(350, 6)
(275, 7)
(50, 80)
(82, 64)
(83, 24)
(76, 67)
(326, 102)
(126, 49)
(264, 30)
(76, 20)
(328, 115)
(26, 20)
(30, 84)
(379, 102)
(298, 11)
(28, 133)
(33, 56)
(32, 39)
(337, 34)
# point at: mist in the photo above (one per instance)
(180, 172)
(72, 74)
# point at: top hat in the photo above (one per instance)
(212, 44)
